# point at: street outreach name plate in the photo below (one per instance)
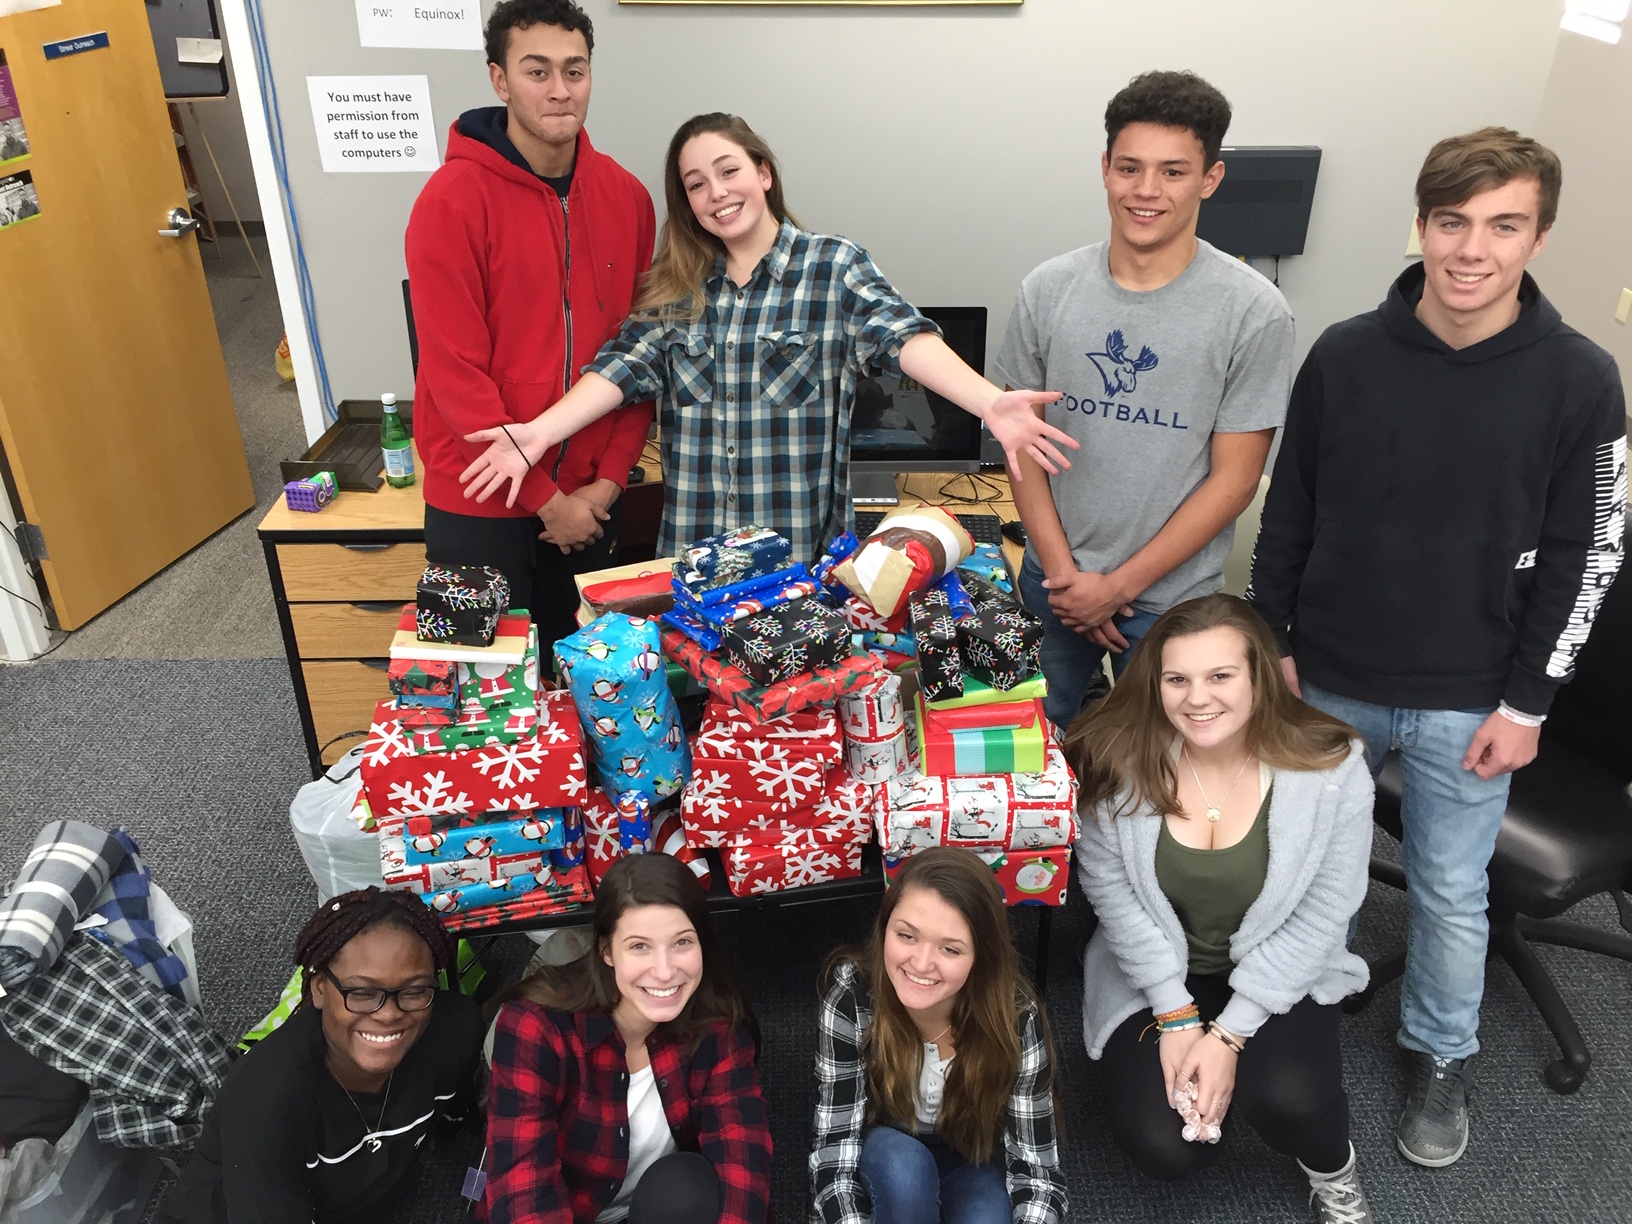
(73, 46)
(378, 124)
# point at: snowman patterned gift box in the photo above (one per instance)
(1007, 811)
(631, 720)
(737, 555)
(566, 888)
(715, 815)
(451, 873)
(787, 641)
(1024, 877)
(460, 604)
(544, 769)
(532, 834)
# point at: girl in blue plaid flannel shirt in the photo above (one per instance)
(753, 335)
(934, 1066)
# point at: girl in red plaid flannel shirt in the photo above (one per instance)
(624, 1084)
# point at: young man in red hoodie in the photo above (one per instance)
(524, 251)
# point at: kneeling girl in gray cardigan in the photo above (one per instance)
(1226, 835)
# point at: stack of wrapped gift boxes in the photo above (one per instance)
(472, 774)
(748, 624)
(987, 772)
(775, 799)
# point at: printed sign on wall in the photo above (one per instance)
(374, 123)
(453, 26)
(13, 135)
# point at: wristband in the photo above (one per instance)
(1232, 1040)
(517, 445)
(1519, 717)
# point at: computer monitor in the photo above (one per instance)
(898, 425)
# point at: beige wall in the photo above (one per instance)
(223, 123)
(1586, 118)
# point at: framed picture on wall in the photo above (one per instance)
(845, 3)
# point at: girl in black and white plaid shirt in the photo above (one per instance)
(935, 1069)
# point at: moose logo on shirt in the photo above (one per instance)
(1119, 371)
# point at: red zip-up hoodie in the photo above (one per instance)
(505, 278)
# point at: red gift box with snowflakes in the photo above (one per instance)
(1024, 877)
(758, 702)
(753, 868)
(842, 812)
(541, 770)
(602, 847)
(726, 733)
(1013, 811)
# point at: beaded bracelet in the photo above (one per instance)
(1184, 1017)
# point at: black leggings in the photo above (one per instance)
(680, 1188)
(539, 573)
(1288, 1086)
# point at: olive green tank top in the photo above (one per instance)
(1211, 890)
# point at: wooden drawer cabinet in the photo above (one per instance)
(351, 571)
(344, 630)
(343, 694)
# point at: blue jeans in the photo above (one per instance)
(923, 1180)
(1069, 659)
(1450, 817)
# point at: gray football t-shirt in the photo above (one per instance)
(1148, 378)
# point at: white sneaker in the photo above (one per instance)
(1337, 1197)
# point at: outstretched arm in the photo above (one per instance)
(1010, 415)
(513, 449)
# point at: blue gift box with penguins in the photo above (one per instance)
(614, 668)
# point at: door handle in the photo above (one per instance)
(182, 223)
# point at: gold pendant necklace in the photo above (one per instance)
(1214, 810)
(375, 1143)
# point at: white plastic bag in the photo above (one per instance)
(338, 854)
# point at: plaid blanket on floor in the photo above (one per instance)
(126, 902)
(61, 876)
(153, 1066)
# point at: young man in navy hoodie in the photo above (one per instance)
(524, 251)
(1445, 517)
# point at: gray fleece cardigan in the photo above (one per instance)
(1291, 943)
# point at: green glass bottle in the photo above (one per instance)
(396, 443)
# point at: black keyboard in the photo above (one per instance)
(985, 528)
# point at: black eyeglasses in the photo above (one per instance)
(365, 1000)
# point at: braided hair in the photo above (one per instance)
(343, 918)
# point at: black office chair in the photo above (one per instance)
(1567, 835)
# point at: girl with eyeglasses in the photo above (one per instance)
(321, 1120)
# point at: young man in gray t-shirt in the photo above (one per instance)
(1176, 364)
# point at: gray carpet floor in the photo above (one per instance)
(199, 759)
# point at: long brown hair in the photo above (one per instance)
(588, 983)
(985, 1017)
(1121, 749)
(673, 287)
